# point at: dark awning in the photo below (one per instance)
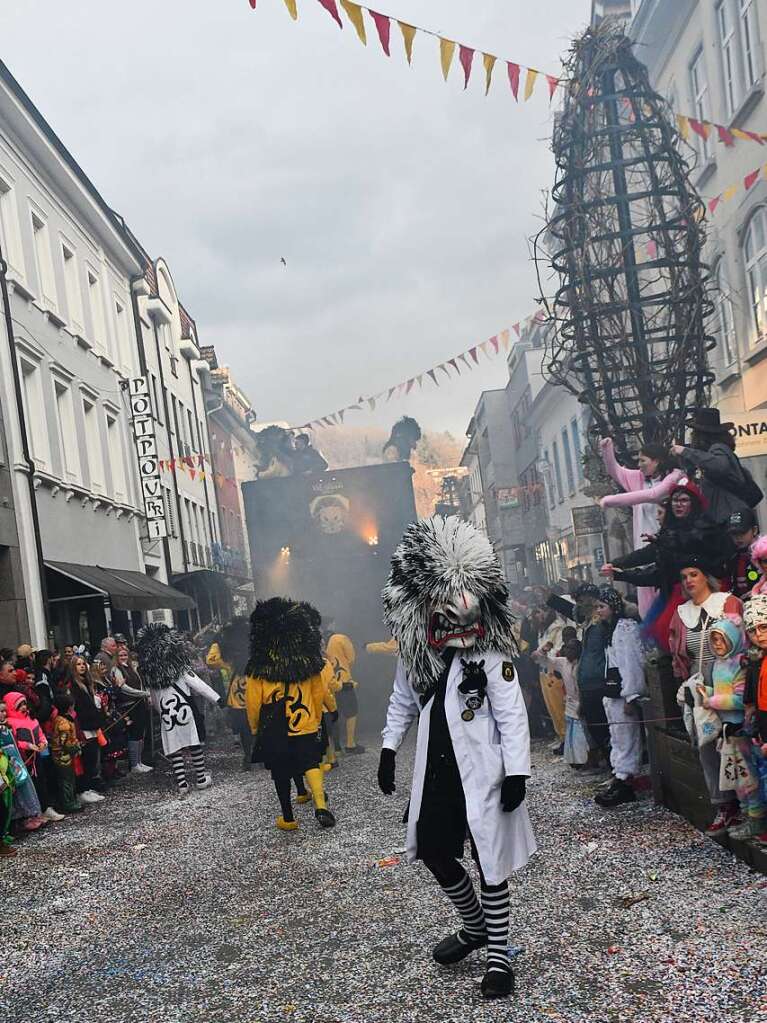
(127, 591)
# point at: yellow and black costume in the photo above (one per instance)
(341, 656)
(228, 655)
(284, 699)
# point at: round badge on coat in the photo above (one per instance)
(468, 715)
(474, 703)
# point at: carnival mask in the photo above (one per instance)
(456, 623)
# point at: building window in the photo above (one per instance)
(170, 511)
(724, 314)
(728, 43)
(34, 412)
(568, 461)
(755, 259)
(93, 446)
(700, 101)
(116, 462)
(190, 423)
(547, 478)
(10, 237)
(577, 449)
(65, 416)
(558, 472)
(749, 33)
(123, 338)
(72, 290)
(43, 261)
(158, 410)
(97, 310)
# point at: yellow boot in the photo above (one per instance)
(314, 780)
(284, 825)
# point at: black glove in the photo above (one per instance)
(689, 699)
(222, 702)
(512, 792)
(386, 772)
(334, 716)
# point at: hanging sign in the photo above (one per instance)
(148, 463)
(588, 520)
(750, 430)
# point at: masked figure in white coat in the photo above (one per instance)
(446, 604)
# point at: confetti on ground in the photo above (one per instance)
(220, 918)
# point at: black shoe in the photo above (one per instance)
(325, 818)
(560, 750)
(498, 983)
(455, 948)
(620, 792)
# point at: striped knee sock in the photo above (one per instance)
(495, 903)
(177, 764)
(464, 898)
(198, 763)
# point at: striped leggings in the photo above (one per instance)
(179, 771)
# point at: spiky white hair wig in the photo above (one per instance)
(436, 560)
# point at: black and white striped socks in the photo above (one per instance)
(179, 772)
(495, 904)
(198, 763)
(464, 898)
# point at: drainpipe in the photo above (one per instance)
(26, 453)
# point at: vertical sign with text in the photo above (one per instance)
(148, 465)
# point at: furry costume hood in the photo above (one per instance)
(164, 656)
(437, 560)
(285, 641)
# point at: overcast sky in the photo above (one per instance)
(229, 139)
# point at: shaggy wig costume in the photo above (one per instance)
(284, 697)
(446, 604)
(228, 655)
(165, 662)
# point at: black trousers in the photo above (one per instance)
(90, 777)
(593, 713)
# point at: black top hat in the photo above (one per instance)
(707, 420)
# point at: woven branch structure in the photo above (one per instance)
(627, 332)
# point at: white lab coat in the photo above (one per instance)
(496, 743)
(177, 724)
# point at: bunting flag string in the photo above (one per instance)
(354, 12)
(731, 191)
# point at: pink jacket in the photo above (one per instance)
(677, 633)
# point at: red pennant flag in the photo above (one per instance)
(455, 366)
(516, 329)
(191, 473)
(473, 354)
(189, 461)
(409, 387)
(494, 343)
(699, 127)
(713, 204)
(161, 464)
(514, 78)
(172, 465)
(750, 179)
(725, 135)
(200, 459)
(466, 56)
(330, 7)
(756, 138)
(253, 4)
(433, 375)
(383, 27)
(652, 249)
(553, 83)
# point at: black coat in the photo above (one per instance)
(89, 717)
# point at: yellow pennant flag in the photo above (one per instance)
(504, 336)
(532, 74)
(446, 51)
(730, 192)
(408, 35)
(489, 61)
(354, 14)
(292, 9)
(683, 125)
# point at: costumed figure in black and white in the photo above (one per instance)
(446, 605)
(165, 663)
(285, 695)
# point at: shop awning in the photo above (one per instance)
(126, 590)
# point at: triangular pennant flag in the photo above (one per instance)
(514, 78)
(391, 392)
(446, 51)
(444, 369)
(433, 374)
(371, 404)
(419, 381)
(738, 133)
(454, 364)
(200, 459)
(713, 204)
(489, 61)
(330, 7)
(191, 473)
(494, 343)
(253, 4)
(408, 35)
(730, 192)
(409, 386)
(466, 57)
(725, 135)
(532, 74)
(202, 474)
(383, 27)
(354, 14)
(504, 336)
(329, 422)
(401, 387)
(750, 179)
(517, 331)
(652, 249)
(463, 359)
(683, 124)
(341, 414)
(553, 83)
(292, 9)
(699, 127)
(473, 354)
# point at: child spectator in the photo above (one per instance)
(725, 696)
(26, 805)
(33, 746)
(759, 559)
(64, 748)
(7, 785)
(564, 664)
